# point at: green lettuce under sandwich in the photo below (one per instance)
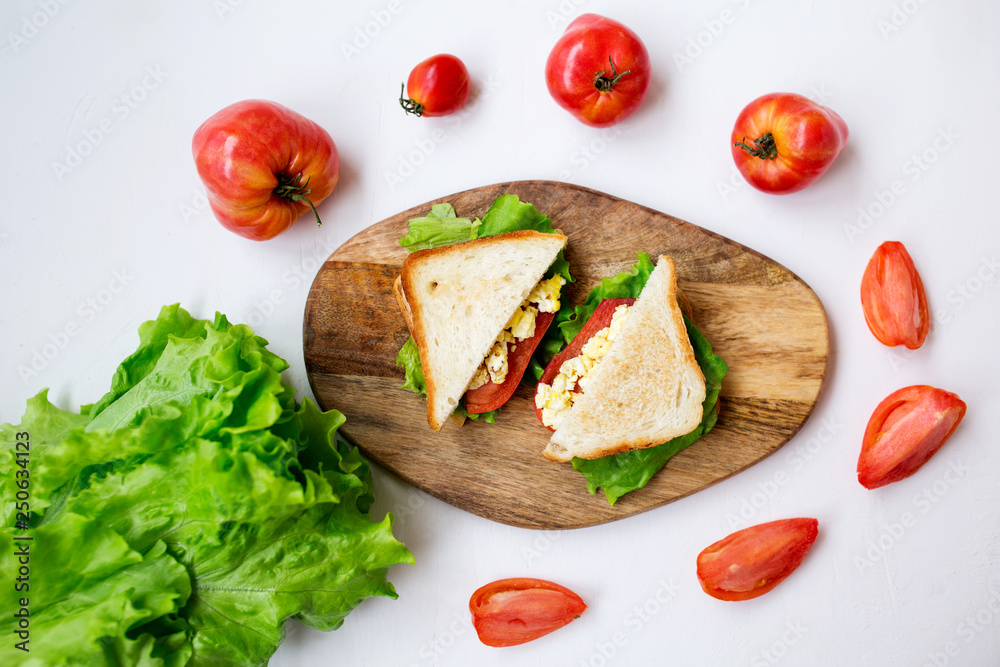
(630, 381)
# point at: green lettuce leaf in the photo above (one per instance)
(488, 417)
(509, 214)
(409, 359)
(93, 599)
(46, 427)
(216, 484)
(314, 567)
(201, 358)
(439, 228)
(193, 509)
(619, 474)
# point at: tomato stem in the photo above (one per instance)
(763, 147)
(295, 190)
(410, 106)
(606, 83)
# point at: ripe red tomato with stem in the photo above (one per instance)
(509, 612)
(437, 86)
(782, 142)
(264, 165)
(893, 298)
(906, 429)
(598, 70)
(752, 561)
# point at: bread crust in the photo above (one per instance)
(406, 289)
(649, 366)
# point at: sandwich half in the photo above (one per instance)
(474, 309)
(628, 380)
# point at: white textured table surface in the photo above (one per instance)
(104, 220)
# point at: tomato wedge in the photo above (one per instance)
(893, 298)
(491, 396)
(752, 561)
(600, 319)
(905, 430)
(509, 612)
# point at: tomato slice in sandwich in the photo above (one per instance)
(491, 396)
(600, 319)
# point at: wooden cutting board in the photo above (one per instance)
(763, 320)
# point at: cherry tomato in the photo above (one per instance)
(599, 319)
(437, 86)
(893, 298)
(491, 396)
(782, 142)
(599, 71)
(509, 612)
(263, 166)
(752, 561)
(906, 429)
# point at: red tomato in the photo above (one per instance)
(598, 71)
(905, 430)
(752, 561)
(263, 166)
(893, 298)
(491, 396)
(509, 612)
(599, 319)
(437, 86)
(782, 142)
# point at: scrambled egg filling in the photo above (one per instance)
(543, 298)
(555, 400)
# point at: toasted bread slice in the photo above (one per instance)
(646, 390)
(457, 299)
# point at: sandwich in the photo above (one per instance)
(631, 381)
(477, 298)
